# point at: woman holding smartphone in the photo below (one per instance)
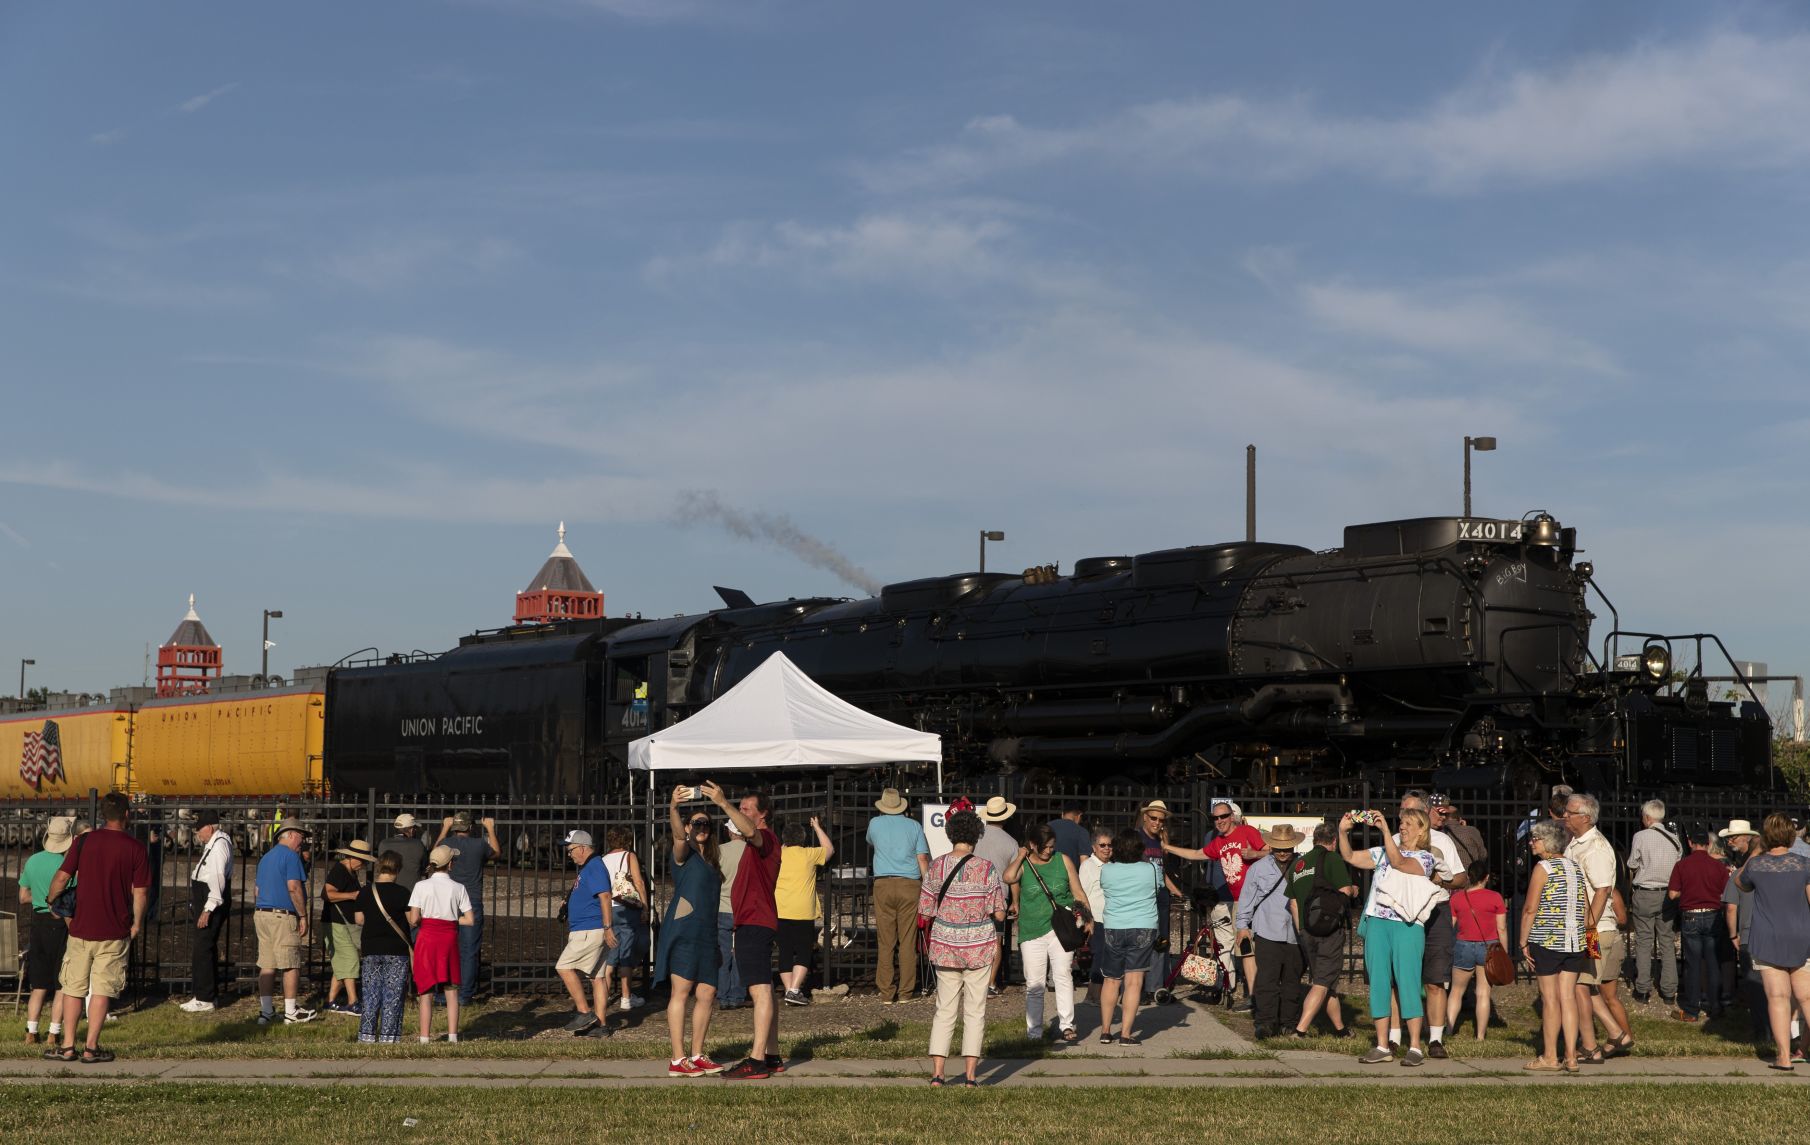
(1393, 942)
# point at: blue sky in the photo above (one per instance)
(340, 309)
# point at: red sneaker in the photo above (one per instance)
(776, 1064)
(704, 1067)
(747, 1070)
(681, 1068)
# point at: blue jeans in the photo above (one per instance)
(470, 937)
(1700, 986)
(730, 991)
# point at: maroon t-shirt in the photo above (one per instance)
(751, 900)
(1698, 878)
(107, 865)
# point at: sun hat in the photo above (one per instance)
(891, 802)
(1736, 827)
(357, 849)
(1283, 837)
(404, 821)
(577, 839)
(59, 833)
(997, 810)
(1156, 805)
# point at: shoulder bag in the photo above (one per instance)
(1063, 922)
(63, 906)
(924, 920)
(622, 884)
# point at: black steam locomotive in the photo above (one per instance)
(1454, 648)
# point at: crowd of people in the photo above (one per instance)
(1090, 907)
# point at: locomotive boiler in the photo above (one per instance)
(1450, 648)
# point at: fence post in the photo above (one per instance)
(828, 900)
(371, 818)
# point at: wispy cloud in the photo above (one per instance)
(14, 535)
(391, 261)
(1727, 97)
(122, 284)
(196, 103)
(107, 138)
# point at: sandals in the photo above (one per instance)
(1594, 1057)
(1069, 1036)
(55, 1054)
(96, 1057)
(1621, 1047)
(937, 1082)
(1572, 1068)
(1780, 1068)
(1538, 1066)
(970, 1083)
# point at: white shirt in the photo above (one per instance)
(1090, 885)
(1593, 854)
(437, 896)
(1445, 860)
(215, 868)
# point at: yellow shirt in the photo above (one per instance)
(796, 891)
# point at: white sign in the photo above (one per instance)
(1469, 530)
(934, 815)
(1302, 823)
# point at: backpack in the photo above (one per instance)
(1325, 907)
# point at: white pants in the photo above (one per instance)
(1221, 916)
(1045, 962)
(966, 991)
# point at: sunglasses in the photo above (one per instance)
(700, 824)
(1217, 818)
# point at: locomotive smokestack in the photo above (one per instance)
(1250, 492)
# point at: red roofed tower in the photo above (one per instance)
(559, 591)
(189, 660)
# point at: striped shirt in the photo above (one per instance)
(963, 936)
(1558, 922)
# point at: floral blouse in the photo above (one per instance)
(962, 936)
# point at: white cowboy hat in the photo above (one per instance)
(997, 810)
(891, 802)
(1736, 827)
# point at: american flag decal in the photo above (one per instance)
(43, 756)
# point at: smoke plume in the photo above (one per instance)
(702, 506)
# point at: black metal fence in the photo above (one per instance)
(525, 887)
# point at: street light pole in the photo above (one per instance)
(269, 615)
(1481, 445)
(985, 536)
(22, 665)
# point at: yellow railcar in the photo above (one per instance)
(88, 746)
(249, 743)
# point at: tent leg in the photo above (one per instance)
(939, 779)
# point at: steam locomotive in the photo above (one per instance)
(1453, 649)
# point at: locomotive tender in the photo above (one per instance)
(1451, 648)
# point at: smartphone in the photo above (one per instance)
(692, 794)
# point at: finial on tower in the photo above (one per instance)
(192, 614)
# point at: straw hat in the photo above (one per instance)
(997, 810)
(891, 802)
(1283, 838)
(1158, 806)
(1736, 827)
(357, 849)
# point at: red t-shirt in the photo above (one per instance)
(751, 900)
(111, 864)
(1475, 912)
(1699, 878)
(1227, 850)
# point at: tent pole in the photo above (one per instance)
(939, 778)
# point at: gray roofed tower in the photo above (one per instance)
(559, 591)
(189, 660)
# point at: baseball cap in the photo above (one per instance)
(404, 821)
(207, 819)
(441, 856)
(578, 839)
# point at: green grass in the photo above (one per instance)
(1654, 1035)
(512, 1029)
(781, 1114)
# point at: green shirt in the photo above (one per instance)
(1033, 905)
(1301, 873)
(35, 877)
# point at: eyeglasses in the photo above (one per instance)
(1105, 846)
(1217, 818)
(1569, 814)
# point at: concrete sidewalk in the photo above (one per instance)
(1287, 1068)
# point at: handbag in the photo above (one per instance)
(1498, 967)
(63, 906)
(1202, 967)
(924, 920)
(622, 885)
(1063, 921)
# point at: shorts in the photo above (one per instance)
(343, 939)
(1436, 960)
(1607, 968)
(95, 967)
(49, 942)
(1547, 962)
(1325, 958)
(1127, 952)
(279, 946)
(754, 955)
(1468, 955)
(583, 953)
(797, 939)
(630, 925)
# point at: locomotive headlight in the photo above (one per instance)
(1656, 662)
(1584, 570)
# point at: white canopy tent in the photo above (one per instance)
(780, 717)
